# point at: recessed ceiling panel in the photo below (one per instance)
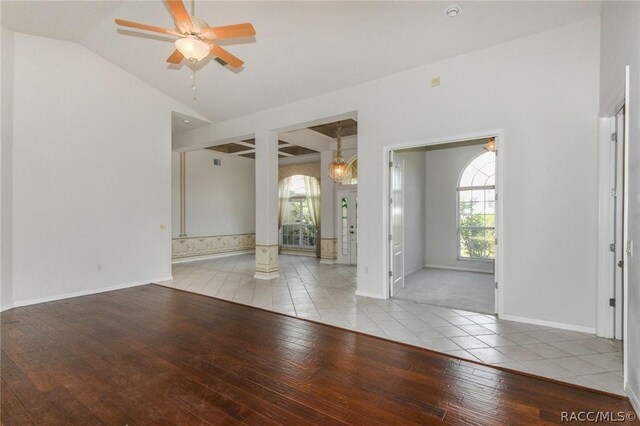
(229, 148)
(349, 128)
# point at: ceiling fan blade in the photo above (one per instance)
(229, 31)
(180, 15)
(230, 59)
(175, 58)
(146, 27)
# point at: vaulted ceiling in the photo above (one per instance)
(302, 49)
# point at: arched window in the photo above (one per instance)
(477, 208)
(299, 211)
(352, 176)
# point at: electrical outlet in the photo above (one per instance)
(435, 82)
(163, 227)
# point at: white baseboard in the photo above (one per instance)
(633, 398)
(6, 307)
(211, 256)
(454, 268)
(369, 294)
(87, 292)
(563, 326)
(327, 261)
(307, 253)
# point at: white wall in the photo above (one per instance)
(542, 90)
(620, 46)
(91, 173)
(443, 168)
(6, 170)
(220, 200)
(414, 210)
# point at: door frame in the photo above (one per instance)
(605, 322)
(500, 235)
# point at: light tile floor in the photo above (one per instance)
(326, 293)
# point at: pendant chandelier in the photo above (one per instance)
(338, 169)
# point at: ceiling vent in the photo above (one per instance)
(217, 162)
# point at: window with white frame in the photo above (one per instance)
(298, 194)
(477, 209)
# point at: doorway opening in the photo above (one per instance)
(443, 220)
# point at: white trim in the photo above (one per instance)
(454, 268)
(552, 324)
(604, 315)
(370, 294)
(500, 160)
(211, 256)
(633, 398)
(625, 236)
(267, 276)
(88, 292)
(327, 261)
(6, 307)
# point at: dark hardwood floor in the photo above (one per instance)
(153, 355)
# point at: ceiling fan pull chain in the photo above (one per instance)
(193, 81)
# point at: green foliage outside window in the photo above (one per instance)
(477, 232)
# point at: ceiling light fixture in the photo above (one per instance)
(491, 145)
(193, 48)
(452, 11)
(338, 168)
(185, 121)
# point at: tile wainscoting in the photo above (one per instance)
(182, 248)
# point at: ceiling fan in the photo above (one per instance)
(196, 38)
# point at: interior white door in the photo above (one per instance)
(619, 225)
(396, 207)
(348, 225)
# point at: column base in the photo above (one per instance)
(267, 276)
(266, 262)
(328, 251)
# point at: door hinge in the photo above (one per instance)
(390, 200)
(496, 284)
(612, 302)
(390, 274)
(390, 237)
(612, 247)
(496, 197)
(614, 192)
(614, 137)
(390, 164)
(496, 241)
(620, 263)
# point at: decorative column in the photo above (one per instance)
(183, 171)
(266, 205)
(328, 240)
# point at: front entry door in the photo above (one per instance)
(348, 224)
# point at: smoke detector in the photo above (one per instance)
(452, 11)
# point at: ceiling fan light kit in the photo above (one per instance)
(192, 48)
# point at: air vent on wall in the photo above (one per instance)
(217, 162)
